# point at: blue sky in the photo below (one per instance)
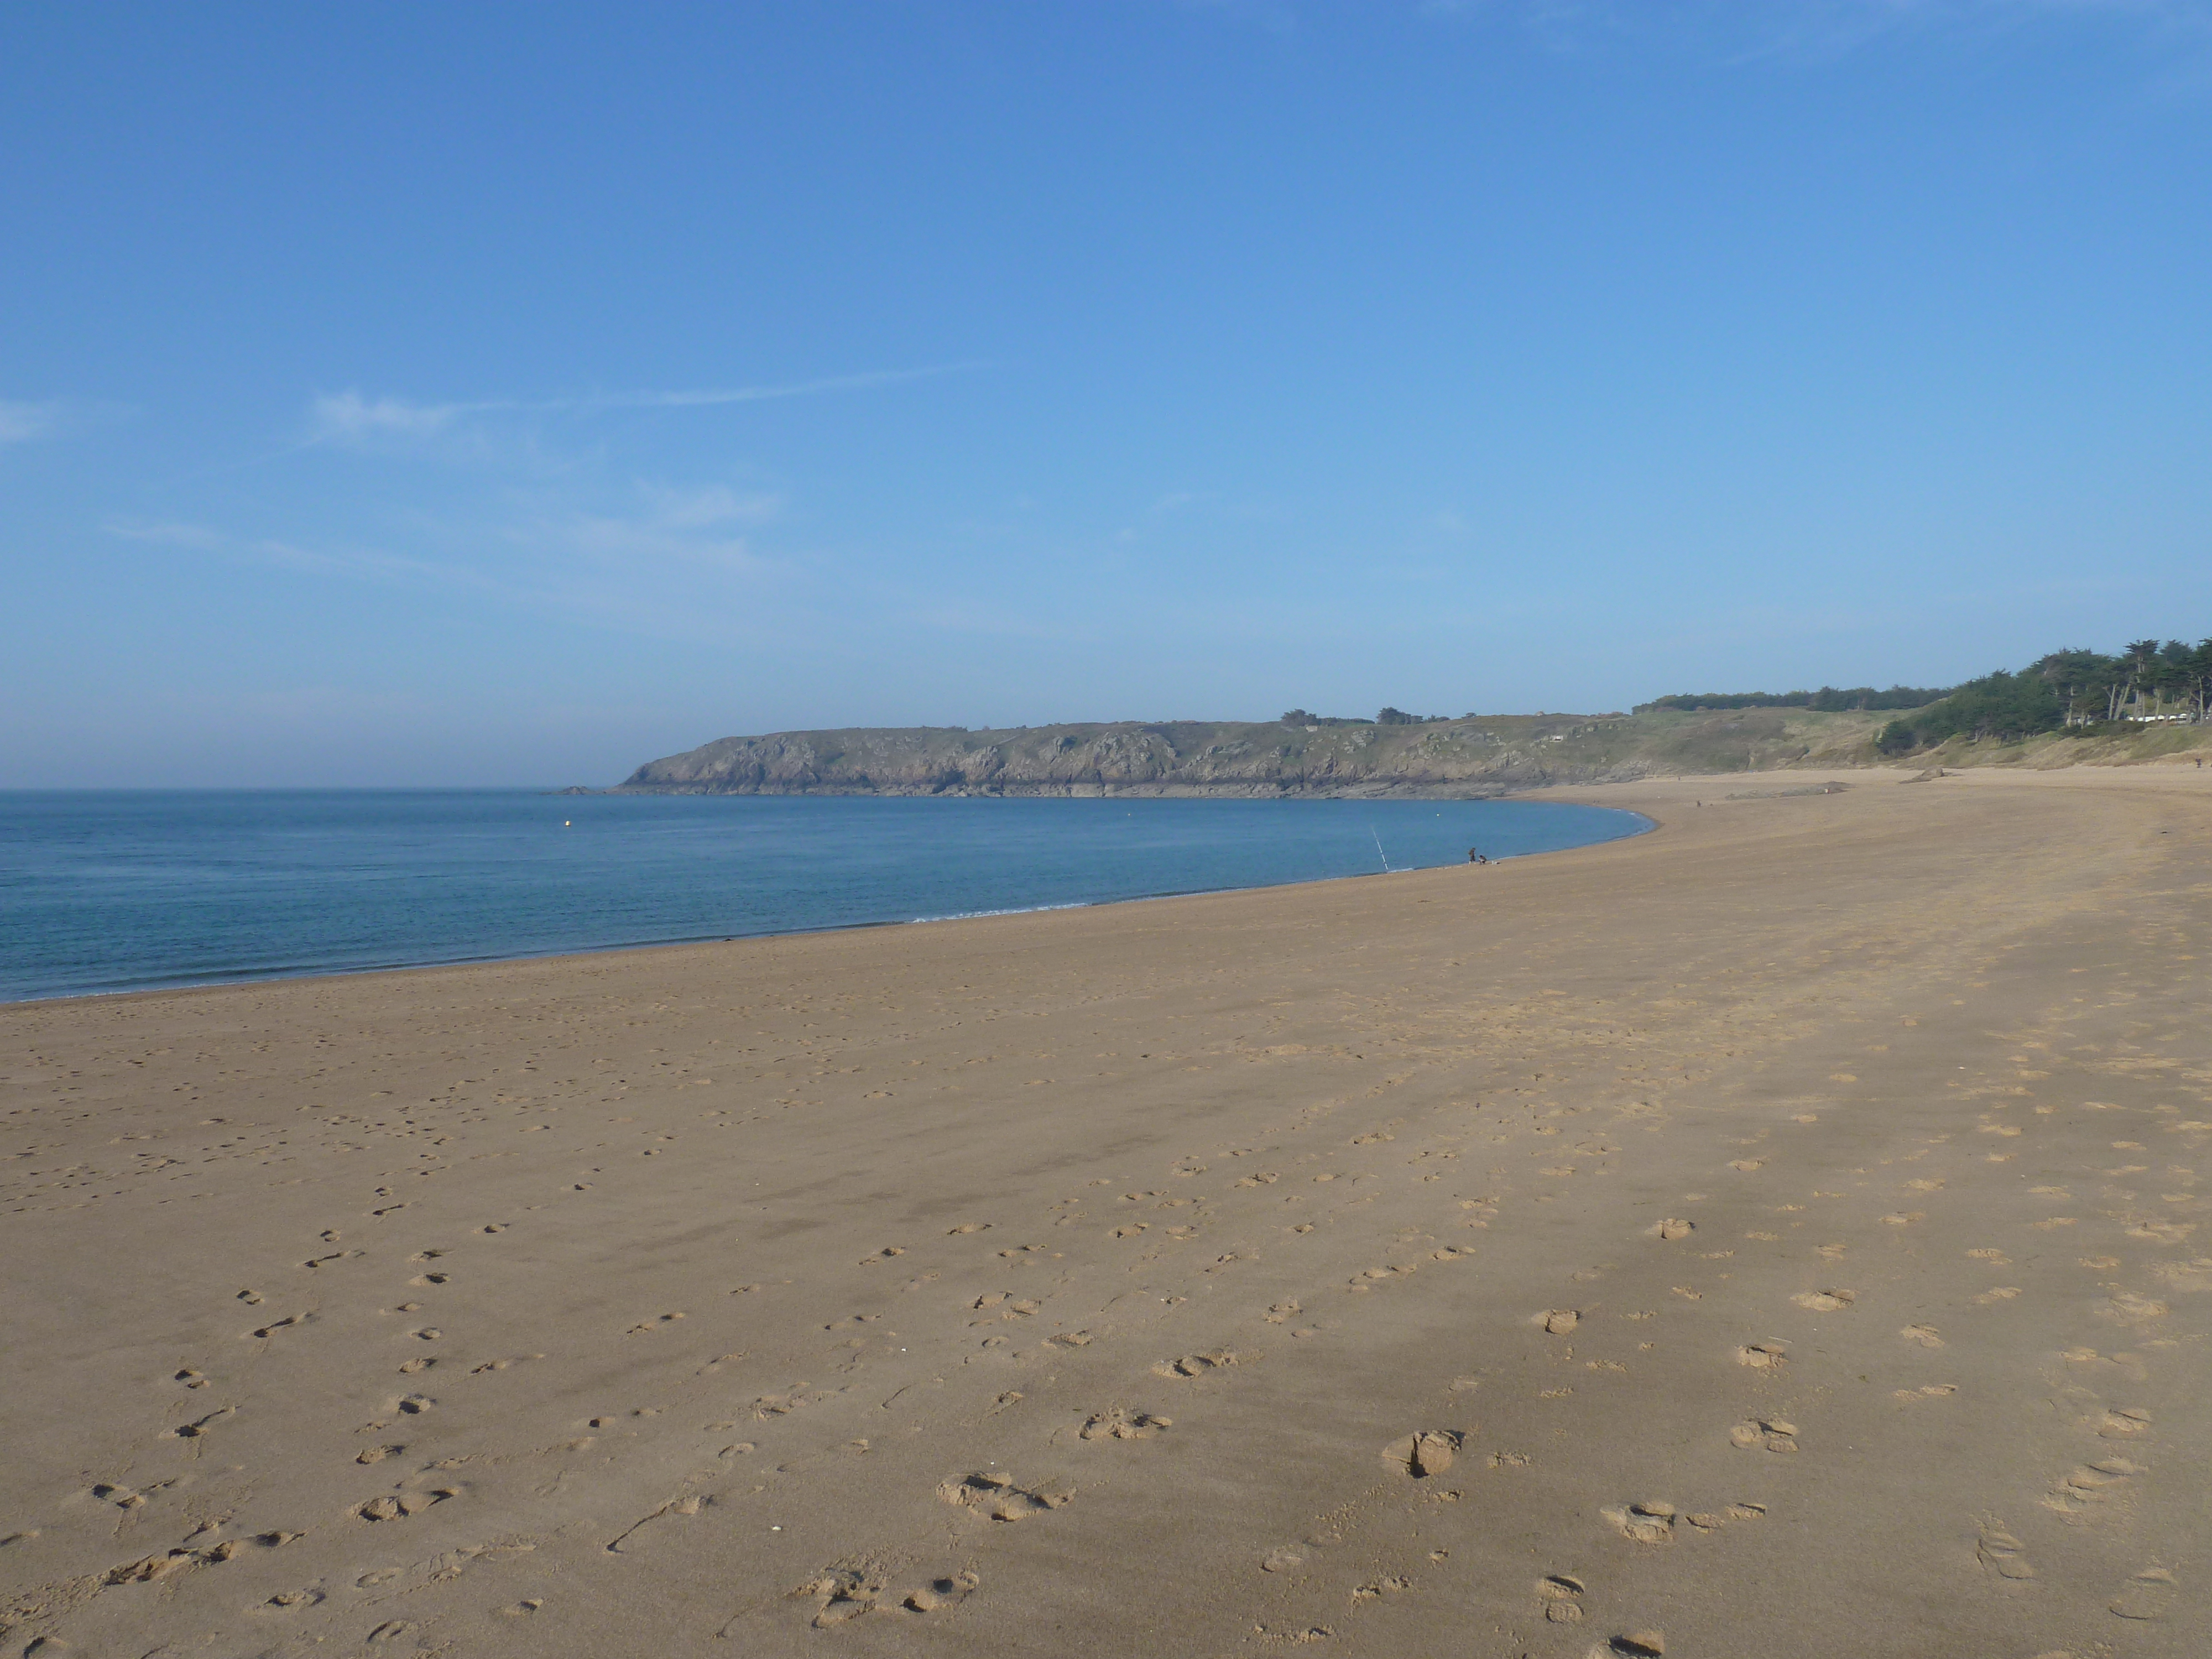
(510, 394)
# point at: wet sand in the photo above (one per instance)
(1778, 1234)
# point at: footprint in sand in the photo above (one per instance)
(1375, 1588)
(1825, 1301)
(1374, 1276)
(2002, 1553)
(2185, 1276)
(2146, 1596)
(1925, 1335)
(503, 1364)
(1763, 1356)
(1561, 1595)
(2166, 1232)
(1673, 1228)
(1774, 1435)
(2130, 1365)
(1200, 1365)
(291, 1601)
(998, 1497)
(1425, 1453)
(152, 1568)
(397, 1505)
(193, 1430)
(1115, 1424)
(2132, 1308)
(841, 1595)
(940, 1594)
(1560, 1321)
(2089, 1483)
(1925, 1391)
(1643, 1524)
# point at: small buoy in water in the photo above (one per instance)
(565, 825)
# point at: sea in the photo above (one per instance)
(132, 890)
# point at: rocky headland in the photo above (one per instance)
(1473, 757)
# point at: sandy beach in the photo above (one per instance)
(1781, 1233)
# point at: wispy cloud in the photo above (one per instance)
(671, 531)
(348, 416)
(23, 422)
(20, 423)
(1821, 28)
(664, 561)
(1828, 26)
(168, 534)
(714, 504)
(353, 562)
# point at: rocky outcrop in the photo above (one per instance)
(1464, 757)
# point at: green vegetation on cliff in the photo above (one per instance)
(1827, 699)
(2079, 693)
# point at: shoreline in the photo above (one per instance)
(281, 975)
(1792, 1221)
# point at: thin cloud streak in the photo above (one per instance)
(1821, 27)
(356, 564)
(20, 423)
(340, 416)
(672, 569)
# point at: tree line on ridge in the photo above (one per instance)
(2072, 690)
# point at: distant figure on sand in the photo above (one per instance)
(1475, 854)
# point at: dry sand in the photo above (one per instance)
(1780, 1234)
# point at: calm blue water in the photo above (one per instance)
(119, 891)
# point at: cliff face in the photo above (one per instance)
(1445, 758)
